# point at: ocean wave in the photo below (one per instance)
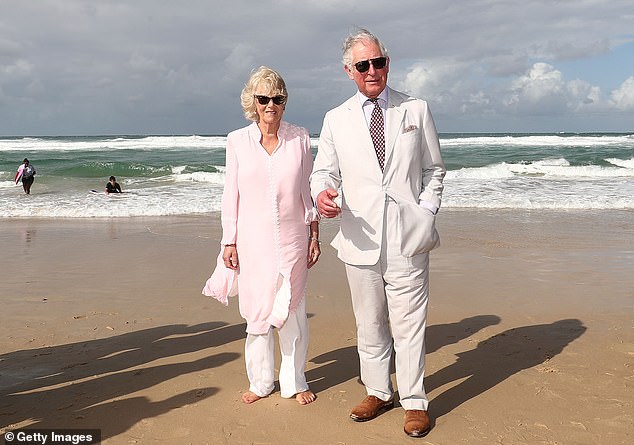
(178, 175)
(528, 203)
(213, 178)
(538, 192)
(163, 200)
(202, 195)
(219, 142)
(541, 141)
(116, 143)
(548, 168)
(625, 163)
(8, 184)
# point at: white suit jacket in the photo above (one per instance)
(413, 173)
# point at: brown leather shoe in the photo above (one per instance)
(417, 423)
(369, 408)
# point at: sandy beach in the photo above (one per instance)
(530, 338)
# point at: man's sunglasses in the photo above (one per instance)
(264, 100)
(377, 63)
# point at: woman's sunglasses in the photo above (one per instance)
(377, 63)
(264, 100)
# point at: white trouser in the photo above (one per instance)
(260, 356)
(392, 293)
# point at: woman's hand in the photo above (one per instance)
(230, 256)
(313, 251)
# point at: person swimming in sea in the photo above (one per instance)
(112, 186)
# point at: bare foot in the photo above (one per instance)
(305, 397)
(250, 397)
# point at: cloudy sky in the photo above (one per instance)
(101, 67)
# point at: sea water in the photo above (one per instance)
(180, 175)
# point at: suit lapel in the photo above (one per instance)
(395, 116)
(358, 126)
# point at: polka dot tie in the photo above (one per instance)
(377, 132)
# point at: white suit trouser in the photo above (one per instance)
(392, 293)
(260, 356)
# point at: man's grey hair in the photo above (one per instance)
(359, 35)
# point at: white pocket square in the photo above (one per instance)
(410, 128)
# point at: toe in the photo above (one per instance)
(305, 397)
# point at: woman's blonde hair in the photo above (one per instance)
(273, 86)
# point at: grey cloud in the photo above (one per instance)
(125, 66)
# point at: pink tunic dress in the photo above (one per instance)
(266, 212)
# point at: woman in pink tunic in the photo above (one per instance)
(270, 237)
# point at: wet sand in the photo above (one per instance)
(530, 337)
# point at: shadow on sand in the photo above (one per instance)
(90, 377)
(498, 358)
(491, 362)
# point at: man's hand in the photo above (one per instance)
(325, 204)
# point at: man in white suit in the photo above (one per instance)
(386, 164)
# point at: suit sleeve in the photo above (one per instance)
(230, 196)
(326, 172)
(310, 211)
(433, 165)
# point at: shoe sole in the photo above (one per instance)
(418, 433)
(382, 409)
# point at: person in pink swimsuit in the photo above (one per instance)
(270, 237)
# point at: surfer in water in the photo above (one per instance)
(113, 186)
(26, 172)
